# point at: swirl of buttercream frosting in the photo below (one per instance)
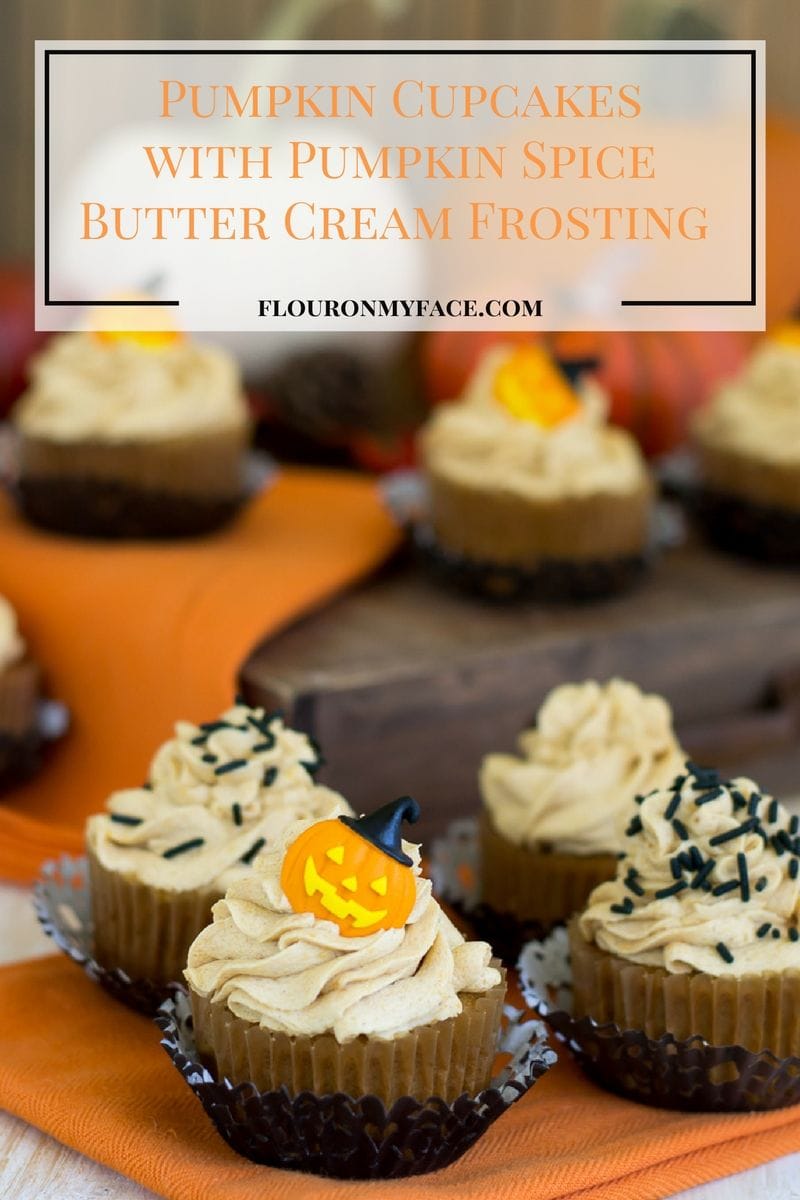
(594, 747)
(758, 413)
(292, 973)
(709, 882)
(476, 439)
(83, 387)
(12, 646)
(217, 793)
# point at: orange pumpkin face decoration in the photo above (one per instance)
(353, 871)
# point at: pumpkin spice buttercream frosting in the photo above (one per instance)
(335, 945)
(593, 748)
(698, 933)
(162, 854)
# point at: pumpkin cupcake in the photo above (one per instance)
(526, 475)
(163, 854)
(697, 936)
(331, 968)
(552, 825)
(19, 699)
(748, 443)
(126, 435)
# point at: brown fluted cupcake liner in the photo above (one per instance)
(141, 930)
(444, 1059)
(743, 527)
(753, 1011)
(27, 723)
(661, 1068)
(63, 904)
(536, 885)
(19, 697)
(551, 580)
(355, 1136)
(514, 908)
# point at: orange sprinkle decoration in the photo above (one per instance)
(532, 388)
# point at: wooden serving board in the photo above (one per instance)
(407, 685)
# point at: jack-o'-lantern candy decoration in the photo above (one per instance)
(533, 388)
(353, 871)
(155, 329)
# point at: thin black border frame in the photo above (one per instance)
(751, 53)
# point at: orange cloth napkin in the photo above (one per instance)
(133, 636)
(83, 1068)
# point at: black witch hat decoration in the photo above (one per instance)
(382, 828)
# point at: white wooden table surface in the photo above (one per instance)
(35, 1167)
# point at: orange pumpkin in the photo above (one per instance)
(353, 871)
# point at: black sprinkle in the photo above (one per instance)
(192, 844)
(676, 866)
(703, 776)
(680, 829)
(703, 873)
(777, 845)
(761, 883)
(199, 741)
(626, 908)
(772, 811)
(233, 765)
(746, 827)
(213, 726)
(763, 930)
(724, 952)
(707, 797)
(236, 809)
(147, 786)
(672, 890)
(634, 827)
(677, 783)
(793, 867)
(744, 878)
(776, 933)
(784, 839)
(793, 934)
(794, 824)
(739, 802)
(260, 747)
(752, 807)
(124, 819)
(633, 886)
(253, 851)
(209, 758)
(672, 807)
(270, 775)
(722, 888)
(695, 858)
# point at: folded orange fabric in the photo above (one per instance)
(81, 1067)
(133, 636)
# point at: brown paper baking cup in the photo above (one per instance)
(62, 902)
(534, 885)
(444, 1059)
(550, 581)
(141, 930)
(355, 1137)
(456, 871)
(691, 1073)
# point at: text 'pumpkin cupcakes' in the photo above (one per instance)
(526, 476)
(162, 854)
(126, 435)
(553, 817)
(748, 440)
(19, 699)
(347, 1026)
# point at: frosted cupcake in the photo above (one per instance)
(163, 854)
(19, 697)
(748, 441)
(331, 968)
(553, 816)
(698, 933)
(524, 472)
(131, 435)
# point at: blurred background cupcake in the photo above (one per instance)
(524, 470)
(19, 699)
(162, 854)
(131, 435)
(553, 817)
(748, 441)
